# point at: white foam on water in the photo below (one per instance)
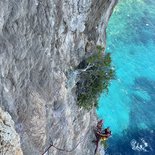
(141, 145)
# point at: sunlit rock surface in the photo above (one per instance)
(9, 138)
(40, 44)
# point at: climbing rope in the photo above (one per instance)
(64, 150)
(60, 149)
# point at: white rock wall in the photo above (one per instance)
(9, 138)
(41, 41)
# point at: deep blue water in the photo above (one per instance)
(129, 107)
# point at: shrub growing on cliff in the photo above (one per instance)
(94, 79)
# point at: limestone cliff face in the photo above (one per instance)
(41, 41)
(9, 139)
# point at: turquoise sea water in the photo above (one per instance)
(129, 107)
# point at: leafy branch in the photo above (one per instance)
(95, 77)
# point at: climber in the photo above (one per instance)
(98, 132)
(105, 134)
(101, 135)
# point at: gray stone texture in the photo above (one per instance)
(41, 42)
